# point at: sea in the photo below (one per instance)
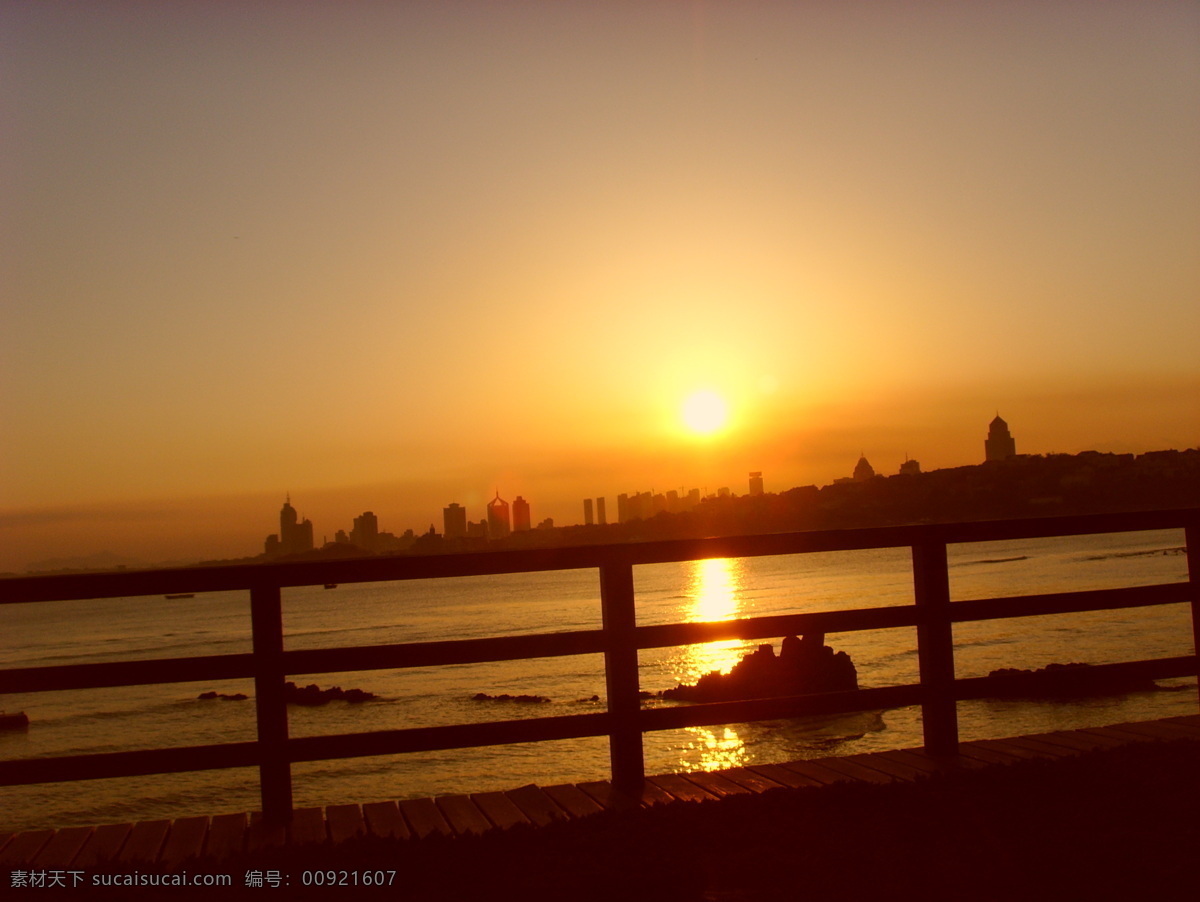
(109, 720)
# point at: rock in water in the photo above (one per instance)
(313, 694)
(1065, 681)
(804, 666)
(505, 697)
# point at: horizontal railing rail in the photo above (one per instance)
(619, 640)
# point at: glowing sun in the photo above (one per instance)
(705, 412)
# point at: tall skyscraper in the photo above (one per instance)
(454, 521)
(365, 534)
(756, 483)
(999, 444)
(499, 526)
(587, 512)
(520, 514)
(295, 535)
(601, 517)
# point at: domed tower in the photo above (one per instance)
(863, 470)
(1000, 443)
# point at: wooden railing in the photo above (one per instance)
(619, 640)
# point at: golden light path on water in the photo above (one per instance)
(714, 592)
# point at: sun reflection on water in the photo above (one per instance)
(714, 592)
(714, 589)
(713, 748)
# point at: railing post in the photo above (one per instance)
(1191, 537)
(621, 675)
(274, 769)
(935, 647)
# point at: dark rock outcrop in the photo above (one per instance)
(16, 721)
(505, 697)
(313, 694)
(804, 666)
(1064, 681)
(227, 697)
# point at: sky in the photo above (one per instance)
(388, 256)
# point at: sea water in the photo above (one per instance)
(118, 719)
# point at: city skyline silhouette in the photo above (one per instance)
(385, 258)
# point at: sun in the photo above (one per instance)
(705, 412)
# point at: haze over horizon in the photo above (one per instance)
(389, 256)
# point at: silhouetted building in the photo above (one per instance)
(454, 521)
(863, 470)
(756, 483)
(295, 535)
(999, 445)
(520, 514)
(910, 468)
(588, 520)
(365, 534)
(635, 507)
(498, 524)
(601, 518)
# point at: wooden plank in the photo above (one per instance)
(462, 815)
(1005, 747)
(614, 799)
(424, 818)
(536, 805)
(986, 755)
(889, 766)
(1044, 748)
(753, 782)
(226, 835)
(781, 775)
(814, 771)
(145, 842)
(264, 834)
(1190, 724)
(602, 793)
(345, 822)
(103, 845)
(499, 809)
(681, 788)
(1190, 720)
(307, 827)
(716, 783)
(1158, 730)
(857, 771)
(24, 847)
(186, 840)
(385, 820)
(62, 849)
(573, 800)
(1117, 733)
(1074, 739)
(932, 764)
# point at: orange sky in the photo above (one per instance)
(389, 256)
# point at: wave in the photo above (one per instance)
(1152, 552)
(997, 560)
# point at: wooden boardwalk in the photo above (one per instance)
(168, 844)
